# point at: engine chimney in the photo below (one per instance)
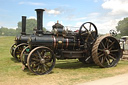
(39, 20)
(23, 25)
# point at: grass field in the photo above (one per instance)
(66, 72)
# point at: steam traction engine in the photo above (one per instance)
(20, 41)
(85, 45)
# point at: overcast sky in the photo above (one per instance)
(105, 14)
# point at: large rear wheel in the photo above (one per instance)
(106, 51)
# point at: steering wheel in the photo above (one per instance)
(88, 32)
(113, 33)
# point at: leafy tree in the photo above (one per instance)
(30, 25)
(122, 27)
(7, 32)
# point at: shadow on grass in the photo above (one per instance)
(75, 65)
(32, 74)
(14, 60)
(29, 72)
(66, 65)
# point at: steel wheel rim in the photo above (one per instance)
(107, 52)
(12, 49)
(41, 60)
(22, 56)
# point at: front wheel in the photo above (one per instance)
(12, 49)
(41, 60)
(18, 50)
(24, 56)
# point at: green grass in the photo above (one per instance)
(66, 72)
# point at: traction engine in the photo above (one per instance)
(20, 41)
(44, 48)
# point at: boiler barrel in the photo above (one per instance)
(53, 42)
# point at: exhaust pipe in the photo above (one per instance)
(23, 25)
(39, 20)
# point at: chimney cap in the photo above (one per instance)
(23, 16)
(39, 10)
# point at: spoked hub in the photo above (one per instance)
(41, 60)
(12, 49)
(18, 50)
(88, 32)
(106, 51)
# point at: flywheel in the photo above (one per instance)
(106, 51)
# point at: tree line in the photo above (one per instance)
(30, 25)
(122, 28)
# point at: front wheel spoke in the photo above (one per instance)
(35, 59)
(39, 54)
(38, 68)
(34, 64)
(44, 67)
(47, 60)
(47, 65)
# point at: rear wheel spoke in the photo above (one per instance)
(100, 55)
(103, 45)
(108, 61)
(114, 50)
(102, 60)
(111, 44)
(107, 43)
(111, 57)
